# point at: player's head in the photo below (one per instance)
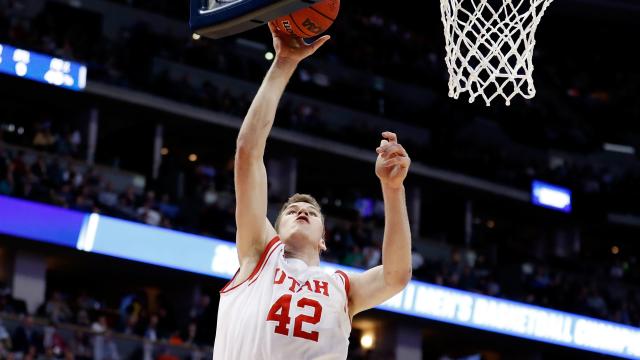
(301, 218)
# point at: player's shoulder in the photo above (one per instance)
(344, 278)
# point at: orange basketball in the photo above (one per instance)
(311, 21)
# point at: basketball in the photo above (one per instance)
(311, 21)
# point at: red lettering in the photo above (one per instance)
(322, 285)
(279, 313)
(307, 284)
(283, 276)
(294, 284)
(313, 319)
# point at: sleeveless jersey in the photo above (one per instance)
(284, 310)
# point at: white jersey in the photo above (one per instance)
(284, 310)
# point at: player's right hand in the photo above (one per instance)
(293, 48)
(392, 165)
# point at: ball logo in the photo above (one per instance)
(287, 26)
(333, 4)
(311, 26)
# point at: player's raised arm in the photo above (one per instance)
(379, 284)
(253, 228)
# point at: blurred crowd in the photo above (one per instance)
(600, 290)
(80, 326)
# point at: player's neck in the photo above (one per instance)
(309, 258)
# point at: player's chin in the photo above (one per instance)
(289, 231)
(303, 230)
(300, 229)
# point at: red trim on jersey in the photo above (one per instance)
(264, 263)
(258, 267)
(347, 285)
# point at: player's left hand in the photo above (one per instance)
(393, 161)
(293, 48)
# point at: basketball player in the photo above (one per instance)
(280, 304)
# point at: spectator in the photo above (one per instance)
(167, 209)
(4, 161)
(83, 203)
(354, 257)
(200, 306)
(87, 302)
(149, 215)
(81, 346)
(5, 175)
(107, 196)
(10, 305)
(596, 303)
(417, 260)
(82, 318)
(75, 139)
(55, 172)
(131, 304)
(56, 309)
(43, 139)
(104, 347)
(100, 326)
(55, 346)
(151, 332)
(190, 337)
(6, 183)
(165, 354)
(63, 145)
(26, 337)
(19, 170)
(176, 339)
(5, 341)
(372, 256)
(131, 327)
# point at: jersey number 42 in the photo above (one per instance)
(279, 313)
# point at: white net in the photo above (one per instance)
(490, 46)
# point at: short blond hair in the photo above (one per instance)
(306, 198)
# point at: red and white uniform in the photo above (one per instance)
(284, 310)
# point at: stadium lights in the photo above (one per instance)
(366, 341)
(164, 151)
(195, 36)
(622, 149)
(551, 196)
(193, 157)
(268, 56)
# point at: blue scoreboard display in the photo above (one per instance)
(42, 68)
(551, 196)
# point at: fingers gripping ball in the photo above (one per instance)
(311, 21)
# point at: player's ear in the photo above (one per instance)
(323, 245)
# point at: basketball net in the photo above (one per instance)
(490, 47)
